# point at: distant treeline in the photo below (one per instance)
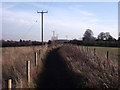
(19, 43)
(104, 43)
(103, 39)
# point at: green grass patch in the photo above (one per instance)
(102, 51)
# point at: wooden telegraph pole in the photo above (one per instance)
(42, 22)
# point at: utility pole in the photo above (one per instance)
(53, 33)
(66, 37)
(57, 36)
(53, 37)
(42, 22)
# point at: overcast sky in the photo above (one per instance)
(21, 20)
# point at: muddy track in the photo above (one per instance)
(55, 73)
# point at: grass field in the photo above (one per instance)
(91, 71)
(14, 63)
(68, 64)
(102, 51)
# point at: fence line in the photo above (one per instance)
(28, 69)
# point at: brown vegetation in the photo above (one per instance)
(14, 64)
(90, 71)
(59, 66)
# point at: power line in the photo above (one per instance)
(30, 28)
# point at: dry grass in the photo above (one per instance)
(14, 64)
(88, 70)
(91, 71)
(113, 52)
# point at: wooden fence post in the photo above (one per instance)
(87, 53)
(107, 55)
(81, 48)
(87, 49)
(108, 59)
(28, 72)
(36, 59)
(94, 52)
(9, 84)
(21, 83)
(39, 53)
